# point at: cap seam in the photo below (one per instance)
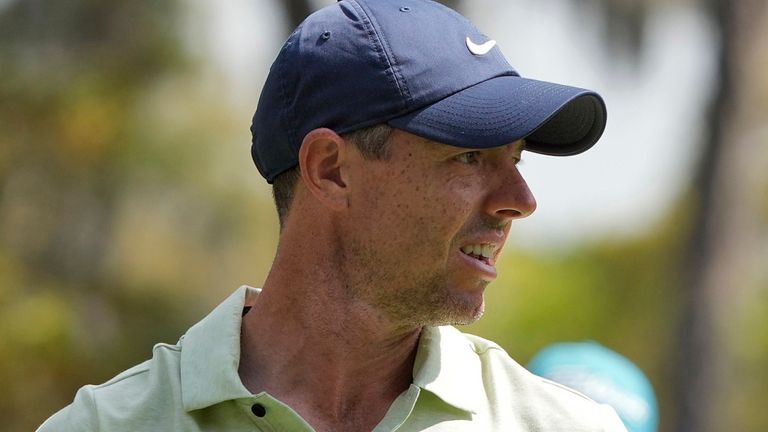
(407, 110)
(292, 123)
(387, 54)
(432, 102)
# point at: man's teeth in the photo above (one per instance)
(483, 250)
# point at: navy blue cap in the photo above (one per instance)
(420, 67)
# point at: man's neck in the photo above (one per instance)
(337, 362)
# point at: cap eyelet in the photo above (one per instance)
(405, 9)
(326, 35)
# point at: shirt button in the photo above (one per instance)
(258, 410)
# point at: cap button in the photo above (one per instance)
(405, 9)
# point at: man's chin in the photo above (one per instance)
(462, 311)
(469, 318)
(435, 304)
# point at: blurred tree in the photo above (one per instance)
(297, 10)
(624, 24)
(79, 161)
(719, 260)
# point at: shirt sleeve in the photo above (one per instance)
(79, 416)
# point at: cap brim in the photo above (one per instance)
(554, 119)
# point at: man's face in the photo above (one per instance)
(425, 227)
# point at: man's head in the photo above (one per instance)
(413, 235)
(420, 204)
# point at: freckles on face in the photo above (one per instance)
(410, 206)
(410, 215)
(403, 216)
(426, 203)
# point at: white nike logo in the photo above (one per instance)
(481, 49)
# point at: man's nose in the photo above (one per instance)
(511, 197)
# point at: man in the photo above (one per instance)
(390, 131)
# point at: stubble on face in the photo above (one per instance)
(408, 299)
(408, 273)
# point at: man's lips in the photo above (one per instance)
(481, 249)
(485, 252)
(485, 266)
(481, 252)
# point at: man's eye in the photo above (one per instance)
(468, 157)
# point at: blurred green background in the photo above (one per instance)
(129, 206)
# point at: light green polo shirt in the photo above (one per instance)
(460, 383)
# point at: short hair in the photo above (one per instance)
(372, 144)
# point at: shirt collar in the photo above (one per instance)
(210, 355)
(446, 363)
(448, 366)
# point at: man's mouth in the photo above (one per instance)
(483, 252)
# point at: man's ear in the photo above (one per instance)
(322, 161)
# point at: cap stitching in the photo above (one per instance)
(408, 110)
(288, 114)
(491, 125)
(387, 54)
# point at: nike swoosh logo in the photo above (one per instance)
(481, 49)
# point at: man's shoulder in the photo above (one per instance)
(160, 370)
(137, 389)
(536, 401)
